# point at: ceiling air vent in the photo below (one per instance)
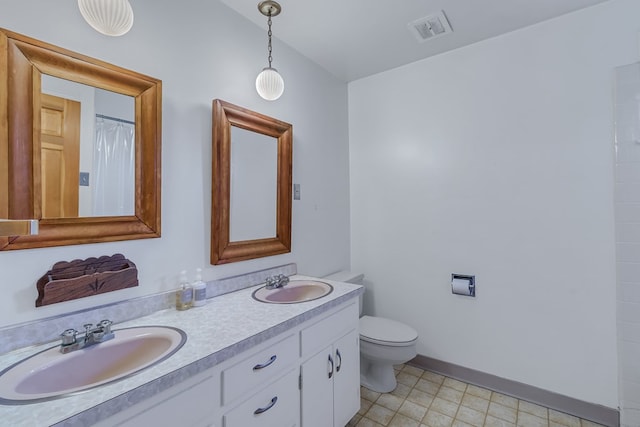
(430, 27)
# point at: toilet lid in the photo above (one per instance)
(386, 331)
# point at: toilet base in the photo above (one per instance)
(377, 376)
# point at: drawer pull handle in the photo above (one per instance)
(264, 365)
(331, 370)
(266, 408)
(338, 360)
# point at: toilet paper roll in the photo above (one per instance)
(461, 286)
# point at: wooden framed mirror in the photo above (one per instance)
(251, 188)
(26, 186)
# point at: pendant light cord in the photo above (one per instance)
(269, 33)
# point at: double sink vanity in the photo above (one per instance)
(255, 355)
(287, 356)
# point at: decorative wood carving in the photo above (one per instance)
(82, 278)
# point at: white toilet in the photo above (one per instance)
(383, 343)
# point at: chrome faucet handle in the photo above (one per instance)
(69, 336)
(282, 280)
(105, 325)
(270, 282)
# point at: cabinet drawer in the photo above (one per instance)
(322, 333)
(259, 368)
(276, 405)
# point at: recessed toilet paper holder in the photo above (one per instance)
(463, 284)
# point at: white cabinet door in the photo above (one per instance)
(317, 389)
(331, 384)
(346, 381)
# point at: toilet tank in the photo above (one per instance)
(348, 277)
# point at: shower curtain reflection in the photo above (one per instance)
(114, 167)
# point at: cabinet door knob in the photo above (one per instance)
(264, 365)
(266, 408)
(338, 360)
(330, 364)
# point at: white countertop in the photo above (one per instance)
(228, 325)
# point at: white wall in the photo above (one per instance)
(200, 53)
(627, 214)
(497, 160)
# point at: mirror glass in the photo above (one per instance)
(50, 93)
(251, 184)
(254, 185)
(87, 150)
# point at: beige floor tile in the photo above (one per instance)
(412, 370)
(379, 414)
(533, 409)
(492, 421)
(412, 410)
(504, 400)
(400, 420)
(503, 412)
(563, 419)
(406, 379)
(436, 419)
(455, 384)
(526, 419)
(370, 395)
(401, 390)
(366, 422)
(475, 402)
(470, 416)
(354, 421)
(390, 401)
(445, 407)
(364, 406)
(427, 386)
(479, 391)
(450, 394)
(427, 399)
(433, 377)
(420, 397)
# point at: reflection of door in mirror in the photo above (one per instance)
(106, 157)
(254, 185)
(59, 156)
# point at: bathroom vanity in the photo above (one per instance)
(245, 363)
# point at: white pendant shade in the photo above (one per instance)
(109, 17)
(269, 84)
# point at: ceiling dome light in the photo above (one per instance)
(109, 17)
(269, 83)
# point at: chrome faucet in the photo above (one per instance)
(277, 281)
(92, 335)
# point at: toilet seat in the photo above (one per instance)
(378, 330)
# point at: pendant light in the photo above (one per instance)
(109, 17)
(269, 83)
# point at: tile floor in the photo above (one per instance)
(427, 399)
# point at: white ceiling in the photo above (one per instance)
(357, 38)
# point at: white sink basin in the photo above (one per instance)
(295, 291)
(51, 374)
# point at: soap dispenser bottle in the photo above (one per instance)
(199, 290)
(184, 294)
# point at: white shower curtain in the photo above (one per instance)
(114, 168)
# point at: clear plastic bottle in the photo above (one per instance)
(184, 294)
(199, 290)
